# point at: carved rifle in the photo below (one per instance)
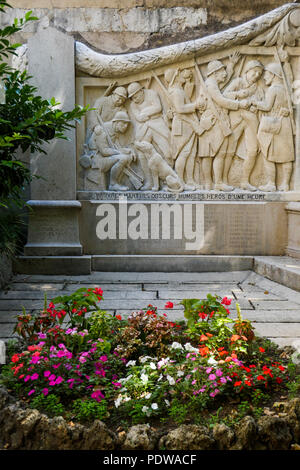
(192, 121)
(225, 129)
(286, 90)
(135, 179)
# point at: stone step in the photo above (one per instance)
(171, 263)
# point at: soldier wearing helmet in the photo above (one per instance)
(214, 143)
(244, 123)
(150, 126)
(108, 106)
(275, 133)
(108, 153)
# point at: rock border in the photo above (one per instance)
(23, 428)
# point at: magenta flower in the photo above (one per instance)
(97, 395)
(219, 373)
(47, 373)
(31, 392)
(208, 370)
(59, 380)
(212, 377)
(45, 391)
(103, 358)
(34, 376)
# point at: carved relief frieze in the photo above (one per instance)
(195, 116)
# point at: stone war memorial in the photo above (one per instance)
(159, 277)
(189, 150)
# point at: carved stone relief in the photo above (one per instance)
(217, 120)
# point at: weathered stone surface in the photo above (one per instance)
(245, 433)
(187, 437)
(274, 432)
(140, 437)
(223, 436)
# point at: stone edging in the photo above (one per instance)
(27, 429)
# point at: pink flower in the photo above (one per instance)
(97, 395)
(31, 392)
(59, 380)
(34, 376)
(219, 373)
(45, 391)
(212, 377)
(47, 373)
(103, 358)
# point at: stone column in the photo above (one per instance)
(53, 221)
(297, 150)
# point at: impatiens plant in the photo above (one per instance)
(84, 363)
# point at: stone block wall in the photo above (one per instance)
(119, 26)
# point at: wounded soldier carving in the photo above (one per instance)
(107, 153)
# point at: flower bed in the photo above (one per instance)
(78, 362)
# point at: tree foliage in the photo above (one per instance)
(27, 121)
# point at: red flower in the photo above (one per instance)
(238, 383)
(169, 305)
(15, 358)
(119, 317)
(278, 380)
(225, 301)
(202, 315)
(262, 350)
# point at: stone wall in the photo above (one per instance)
(119, 26)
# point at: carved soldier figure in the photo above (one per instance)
(146, 109)
(108, 152)
(215, 142)
(275, 134)
(108, 106)
(185, 127)
(244, 123)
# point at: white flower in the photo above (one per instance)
(125, 379)
(190, 348)
(163, 362)
(159, 378)
(167, 402)
(176, 345)
(144, 378)
(126, 398)
(130, 363)
(170, 380)
(148, 396)
(146, 410)
(211, 360)
(180, 373)
(143, 359)
(152, 365)
(154, 406)
(118, 401)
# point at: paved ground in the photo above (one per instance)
(274, 309)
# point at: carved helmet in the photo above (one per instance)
(274, 68)
(133, 88)
(252, 64)
(121, 91)
(214, 66)
(121, 116)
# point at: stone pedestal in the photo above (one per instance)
(293, 245)
(53, 219)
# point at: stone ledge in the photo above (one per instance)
(23, 428)
(68, 265)
(171, 263)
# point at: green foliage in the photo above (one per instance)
(11, 232)
(27, 121)
(89, 410)
(49, 404)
